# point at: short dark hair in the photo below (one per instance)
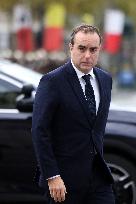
(85, 28)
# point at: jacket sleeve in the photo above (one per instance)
(45, 104)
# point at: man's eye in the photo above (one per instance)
(81, 48)
(92, 50)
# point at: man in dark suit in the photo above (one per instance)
(68, 125)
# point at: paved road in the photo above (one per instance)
(124, 98)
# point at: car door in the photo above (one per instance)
(17, 162)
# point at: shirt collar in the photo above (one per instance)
(80, 74)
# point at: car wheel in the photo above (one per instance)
(124, 176)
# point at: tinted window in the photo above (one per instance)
(8, 94)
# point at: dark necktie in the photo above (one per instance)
(90, 97)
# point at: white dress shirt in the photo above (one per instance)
(93, 81)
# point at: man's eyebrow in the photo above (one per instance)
(94, 47)
(81, 46)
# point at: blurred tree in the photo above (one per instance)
(7, 5)
(77, 6)
(129, 7)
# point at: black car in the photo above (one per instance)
(12, 78)
(17, 161)
(120, 153)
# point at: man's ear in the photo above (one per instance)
(70, 46)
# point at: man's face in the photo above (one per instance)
(85, 51)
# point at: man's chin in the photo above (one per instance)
(86, 66)
(85, 69)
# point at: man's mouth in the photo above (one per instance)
(86, 63)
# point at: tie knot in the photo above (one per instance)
(86, 78)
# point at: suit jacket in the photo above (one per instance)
(62, 130)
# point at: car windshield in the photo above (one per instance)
(20, 73)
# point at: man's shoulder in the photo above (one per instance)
(103, 72)
(56, 73)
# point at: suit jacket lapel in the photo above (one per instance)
(102, 91)
(75, 84)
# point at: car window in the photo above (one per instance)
(8, 94)
(20, 73)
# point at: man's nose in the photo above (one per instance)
(87, 54)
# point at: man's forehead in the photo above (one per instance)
(83, 37)
(83, 34)
(86, 43)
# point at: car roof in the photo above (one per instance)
(20, 73)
